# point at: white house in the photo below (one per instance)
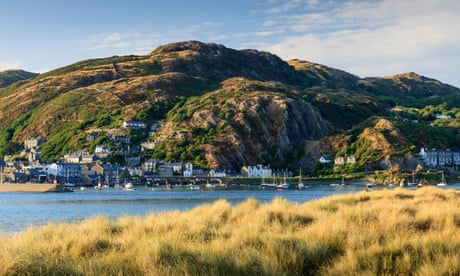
(215, 173)
(134, 124)
(257, 171)
(325, 160)
(102, 149)
(188, 170)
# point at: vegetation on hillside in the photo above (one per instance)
(249, 96)
(390, 232)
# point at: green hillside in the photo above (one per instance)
(225, 108)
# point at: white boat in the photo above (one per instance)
(300, 185)
(443, 181)
(413, 183)
(341, 184)
(129, 187)
(192, 187)
(265, 185)
(210, 185)
(284, 185)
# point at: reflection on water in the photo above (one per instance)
(20, 210)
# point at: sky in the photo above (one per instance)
(367, 38)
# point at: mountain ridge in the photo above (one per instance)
(220, 107)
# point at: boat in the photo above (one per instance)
(210, 185)
(413, 183)
(264, 185)
(443, 181)
(129, 187)
(341, 184)
(192, 187)
(300, 185)
(284, 185)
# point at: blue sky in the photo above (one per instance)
(366, 38)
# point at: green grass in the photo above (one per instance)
(399, 232)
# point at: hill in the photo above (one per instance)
(10, 76)
(220, 107)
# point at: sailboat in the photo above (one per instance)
(300, 185)
(264, 185)
(443, 180)
(413, 183)
(284, 185)
(341, 184)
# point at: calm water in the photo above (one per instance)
(18, 211)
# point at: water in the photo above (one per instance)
(19, 211)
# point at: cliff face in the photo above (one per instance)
(253, 123)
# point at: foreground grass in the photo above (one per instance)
(397, 232)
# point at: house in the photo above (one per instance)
(65, 172)
(134, 125)
(102, 149)
(165, 170)
(351, 160)
(339, 160)
(256, 171)
(33, 143)
(150, 165)
(133, 161)
(443, 116)
(325, 160)
(121, 139)
(80, 156)
(188, 170)
(435, 158)
(217, 173)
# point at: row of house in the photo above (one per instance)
(439, 158)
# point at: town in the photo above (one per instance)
(85, 169)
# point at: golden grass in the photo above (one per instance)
(399, 232)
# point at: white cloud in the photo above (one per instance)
(7, 65)
(369, 38)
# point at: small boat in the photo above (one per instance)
(129, 187)
(210, 185)
(443, 181)
(341, 184)
(283, 186)
(412, 183)
(265, 185)
(300, 185)
(192, 187)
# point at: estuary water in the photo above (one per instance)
(19, 211)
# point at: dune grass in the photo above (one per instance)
(398, 232)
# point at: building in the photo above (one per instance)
(439, 158)
(325, 160)
(64, 172)
(33, 143)
(256, 171)
(134, 125)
